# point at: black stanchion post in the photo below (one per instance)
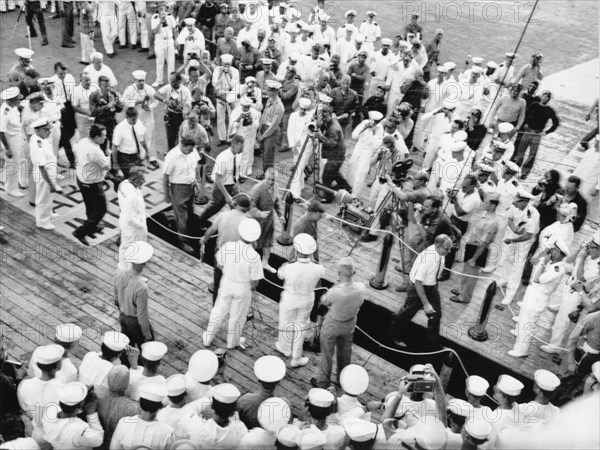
(285, 238)
(378, 281)
(477, 331)
(446, 370)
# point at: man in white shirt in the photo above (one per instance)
(423, 291)
(109, 24)
(92, 167)
(323, 33)
(541, 410)
(129, 144)
(191, 38)
(181, 171)
(379, 63)
(132, 216)
(242, 270)
(371, 31)
(225, 80)
(398, 74)
(297, 133)
(97, 68)
(350, 18)
(11, 136)
(81, 106)
(67, 336)
(164, 28)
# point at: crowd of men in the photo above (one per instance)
(258, 79)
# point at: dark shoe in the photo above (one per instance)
(69, 45)
(260, 177)
(99, 228)
(284, 150)
(143, 50)
(45, 41)
(151, 57)
(72, 41)
(55, 16)
(222, 143)
(313, 382)
(312, 347)
(457, 299)
(84, 63)
(33, 35)
(455, 291)
(154, 164)
(121, 47)
(399, 268)
(584, 145)
(81, 239)
(368, 238)
(111, 55)
(32, 204)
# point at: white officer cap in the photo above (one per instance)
(596, 370)
(511, 166)
(115, 341)
(458, 146)
(486, 168)
(226, 58)
(450, 65)
(311, 438)
(203, 365)
(10, 93)
(442, 69)
(189, 21)
(288, 435)
(304, 103)
(153, 350)
(305, 244)
(68, 332)
(175, 385)
(375, 115)
(460, 136)
(386, 41)
(320, 397)
(292, 28)
(346, 261)
(245, 101)
(269, 369)
(324, 17)
(354, 379)
(371, 13)
(24, 53)
(154, 392)
(505, 127)
(50, 354)
(249, 230)
(509, 385)
(477, 385)
(510, 55)
(477, 69)
(273, 414)
(273, 85)
(226, 393)
(499, 145)
(478, 428)
(492, 65)
(350, 12)
(564, 248)
(266, 62)
(72, 393)
(545, 379)
(459, 407)
(139, 74)
(477, 59)
(359, 38)
(522, 193)
(359, 430)
(139, 252)
(96, 55)
(46, 81)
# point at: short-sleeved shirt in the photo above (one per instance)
(468, 203)
(240, 262)
(181, 168)
(81, 97)
(92, 163)
(10, 120)
(529, 218)
(427, 266)
(484, 230)
(183, 95)
(227, 224)
(301, 277)
(224, 166)
(124, 138)
(42, 155)
(344, 300)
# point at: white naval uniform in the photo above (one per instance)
(297, 133)
(176, 418)
(439, 126)
(257, 438)
(132, 97)
(371, 32)
(164, 46)
(299, 281)
(346, 50)
(502, 418)
(66, 374)
(208, 434)
(26, 443)
(535, 301)
(536, 413)
(394, 81)
(10, 125)
(134, 432)
(192, 43)
(470, 97)
(72, 433)
(34, 395)
(380, 64)
(347, 403)
(241, 265)
(249, 135)
(128, 21)
(137, 378)
(52, 111)
(368, 139)
(109, 23)
(514, 255)
(507, 190)
(438, 92)
(224, 84)
(42, 155)
(195, 390)
(132, 218)
(94, 370)
(310, 69)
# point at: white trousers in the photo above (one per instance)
(87, 47)
(44, 201)
(147, 118)
(513, 261)
(298, 180)
(294, 319)
(110, 30)
(534, 303)
(358, 168)
(223, 115)
(84, 124)
(562, 323)
(127, 23)
(234, 300)
(12, 167)
(165, 52)
(145, 40)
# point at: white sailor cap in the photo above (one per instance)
(510, 55)
(476, 70)
(477, 59)
(226, 393)
(226, 58)
(350, 12)
(46, 81)
(72, 393)
(371, 13)
(545, 379)
(140, 74)
(273, 85)
(115, 341)
(304, 103)
(189, 21)
(249, 230)
(450, 65)
(505, 127)
(478, 428)
(429, 435)
(459, 407)
(203, 365)
(564, 248)
(273, 414)
(269, 369)
(511, 166)
(486, 168)
(477, 385)
(175, 385)
(359, 38)
(153, 392)
(303, 25)
(460, 136)
(450, 106)
(138, 252)
(153, 350)
(43, 122)
(491, 65)
(596, 370)
(354, 379)
(50, 354)
(266, 62)
(386, 41)
(499, 145)
(522, 193)
(375, 115)
(245, 101)
(24, 53)
(320, 397)
(509, 385)
(288, 435)
(96, 55)
(249, 80)
(311, 438)
(68, 332)
(359, 430)
(10, 93)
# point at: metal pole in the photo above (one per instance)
(202, 199)
(378, 281)
(477, 331)
(285, 238)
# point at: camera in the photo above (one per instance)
(193, 55)
(400, 171)
(312, 127)
(418, 383)
(451, 192)
(246, 119)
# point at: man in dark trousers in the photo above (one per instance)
(33, 8)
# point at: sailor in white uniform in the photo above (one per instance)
(506, 391)
(67, 336)
(202, 368)
(152, 354)
(354, 380)
(175, 414)
(541, 410)
(95, 366)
